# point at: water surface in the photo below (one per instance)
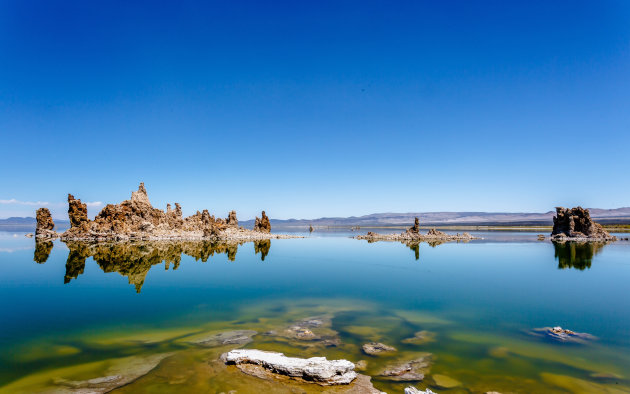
(68, 308)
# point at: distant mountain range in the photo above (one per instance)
(605, 216)
(27, 224)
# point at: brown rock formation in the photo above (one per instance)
(45, 224)
(415, 229)
(77, 211)
(137, 219)
(262, 224)
(232, 221)
(436, 233)
(576, 224)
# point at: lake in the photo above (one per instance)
(75, 312)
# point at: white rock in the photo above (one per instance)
(317, 369)
(413, 390)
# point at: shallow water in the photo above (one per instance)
(81, 312)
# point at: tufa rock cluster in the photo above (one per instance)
(136, 218)
(575, 224)
(412, 234)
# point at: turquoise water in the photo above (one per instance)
(479, 300)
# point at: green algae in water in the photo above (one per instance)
(481, 348)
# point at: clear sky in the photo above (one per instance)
(321, 108)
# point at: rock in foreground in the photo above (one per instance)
(575, 224)
(315, 369)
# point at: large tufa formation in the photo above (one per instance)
(262, 224)
(136, 218)
(576, 224)
(45, 224)
(232, 221)
(77, 212)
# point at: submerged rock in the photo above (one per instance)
(445, 382)
(315, 369)
(408, 371)
(123, 372)
(376, 348)
(312, 331)
(575, 224)
(563, 335)
(236, 337)
(420, 337)
(45, 224)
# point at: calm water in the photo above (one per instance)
(68, 309)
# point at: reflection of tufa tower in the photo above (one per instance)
(135, 259)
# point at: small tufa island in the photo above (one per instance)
(575, 224)
(413, 235)
(137, 219)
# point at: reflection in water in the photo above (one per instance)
(576, 254)
(135, 259)
(42, 251)
(262, 247)
(415, 246)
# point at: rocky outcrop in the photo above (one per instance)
(563, 335)
(415, 229)
(136, 218)
(45, 224)
(236, 337)
(77, 212)
(575, 224)
(262, 224)
(412, 234)
(231, 220)
(315, 369)
(376, 348)
(408, 371)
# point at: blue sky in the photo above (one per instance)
(309, 109)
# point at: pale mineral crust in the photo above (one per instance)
(136, 218)
(575, 224)
(315, 369)
(413, 234)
